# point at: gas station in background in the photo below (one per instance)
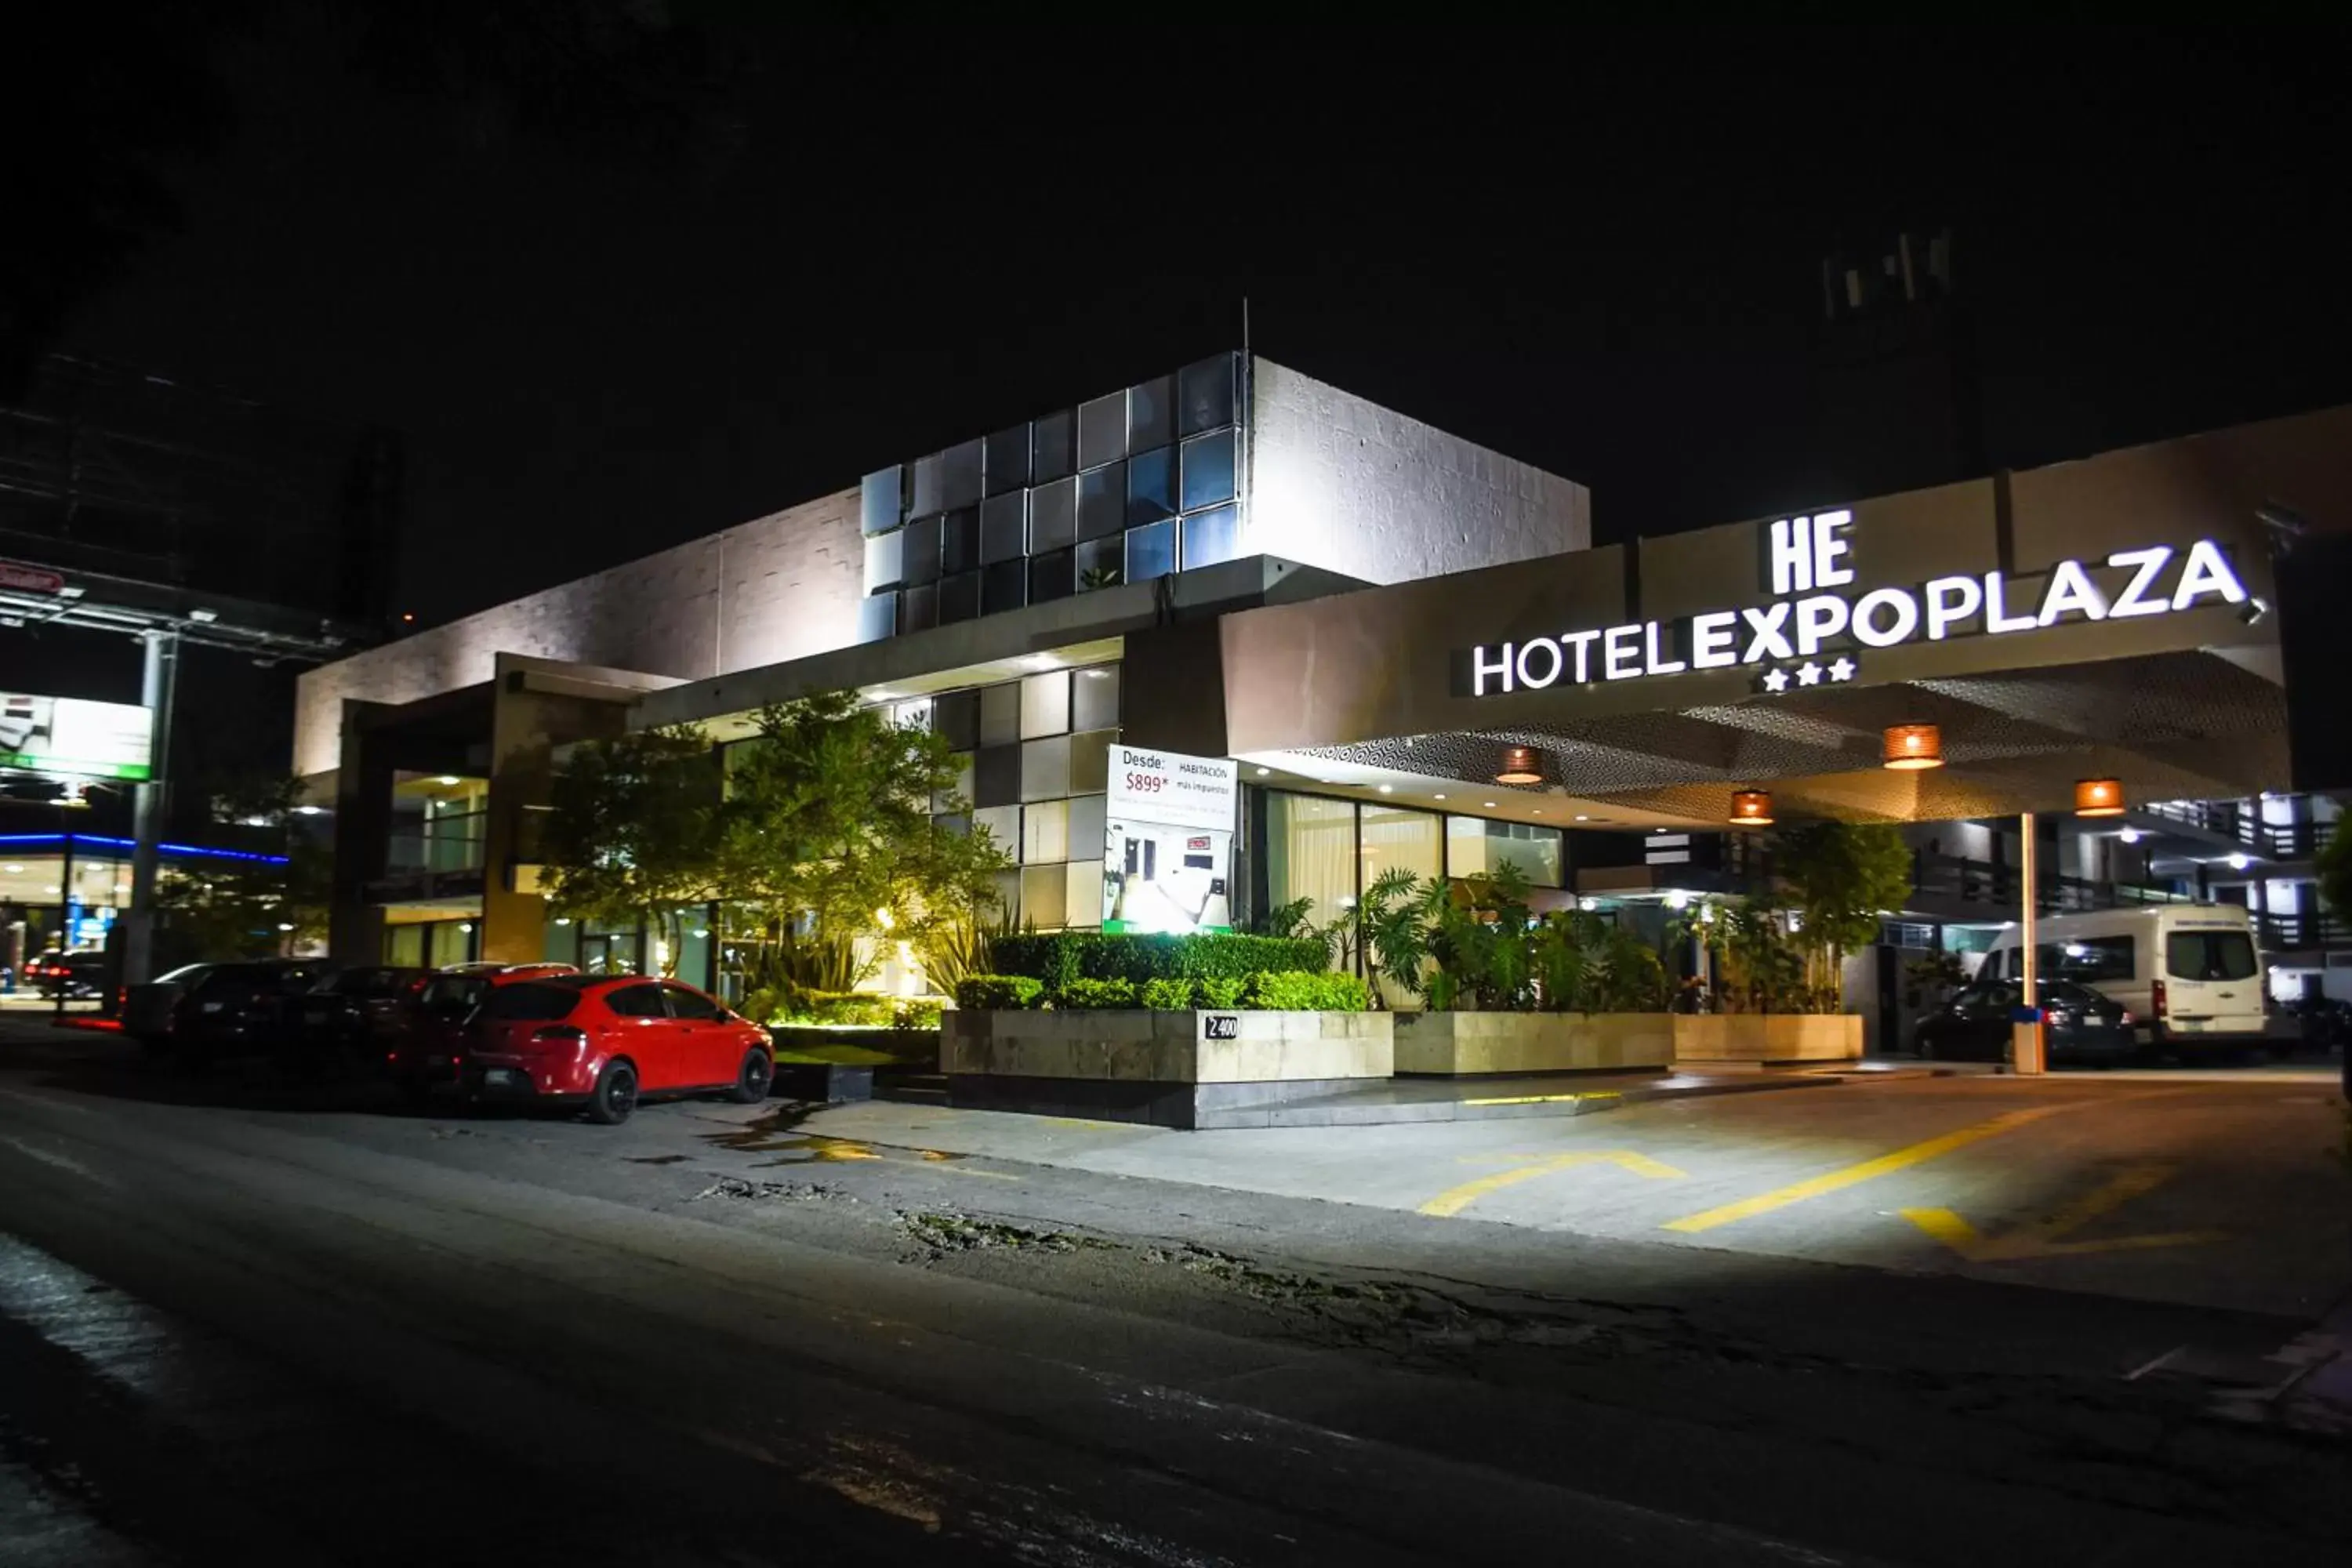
(1167, 849)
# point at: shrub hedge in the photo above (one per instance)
(1078, 994)
(1300, 991)
(1056, 958)
(1305, 991)
(999, 992)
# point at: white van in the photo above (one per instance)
(2190, 973)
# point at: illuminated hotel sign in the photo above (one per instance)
(1809, 554)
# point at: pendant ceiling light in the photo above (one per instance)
(2098, 797)
(1914, 746)
(1751, 808)
(1519, 766)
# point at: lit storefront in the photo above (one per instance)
(66, 891)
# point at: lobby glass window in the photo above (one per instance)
(693, 946)
(1004, 527)
(1102, 430)
(1045, 705)
(405, 945)
(877, 617)
(1003, 586)
(918, 551)
(1052, 516)
(1055, 450)
(1102, 501)
(1082, 898)
(1152, 485)
(960, 475)
(883, 555)
(1003, 825)
(1150, 551)
(1151, 413)
(1090, 760)
(955, 718)
(1005, 463)
(1474, 846)
(1053, 576)
(995, 779)
(944, 800)
(1086, 824)
(1044, 896)
(1209, 469)
(1310, 853)
(1205, 395)
(960, 540)
(1045, 769)
(959, 598)
(1212, 536)
(1392, 836)
(1102, 564)
(1046, 832)
(924, 493)
(877, 502)
(1094, 697)
(918, 608)
(1000, 714)
(559, 944)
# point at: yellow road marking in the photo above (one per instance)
(2044, 1239)
(1868, 1170)
(1453, 1200)
(1545, 1098)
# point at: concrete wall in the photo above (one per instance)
(779, 587)
(1474, 1043)
(1344, 484)
(1137, 1047)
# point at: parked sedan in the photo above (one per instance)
(360, 1007)
(151, 1010)
(605, 1042)
(241, 1009)
(2082, 1025)
(429, 1051)
(71, 975)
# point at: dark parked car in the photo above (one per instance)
(242, 1009)
(150, 1010)
(2082, 1024)
(429, 1050)
(68, 973)
(362, 1008)
(2323, 1021)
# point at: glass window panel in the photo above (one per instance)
(1000, 714)
(958, 824)
(1102, 430)
(1004, 527)
(995, 779)
(915, 713)
(1151, 486)
(1150, 551)
(918, 553)
(1085, 822)
(1090, 761)
(1052, 516)
(1094, 697)
(1006, 462)
(958, 541)
(1102, 501)
(1045, 831)
(959, 598)
(877, 617)
(1205, 395)
(1102, 564)
(923, 492)
(1052, 577)
(1411, 840)
(877, 502)
(955, 718)
(883, 555)
(561, 945)
(1045, 705)
(918, 608)
(1475, 847)
(1212, 536)
(1082, 903)
(1055, 447)
(1310, 853)
(1045, 769)
(1209, 469)
(1045, 894)
(945, 800)
(405, 945)
(1003, 586)
(1151, 413)
(1003, 825)
(960, 475)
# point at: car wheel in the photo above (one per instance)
(752, 1081)
(615, 1094)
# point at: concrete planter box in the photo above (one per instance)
(1761, 1039)
(1460, 1044)
(1173, 1070)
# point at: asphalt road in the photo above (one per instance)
(246, 1318)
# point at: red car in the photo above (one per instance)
(603, 1042)
(430, 1048)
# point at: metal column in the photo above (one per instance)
(2026, 1039)
(159, 677)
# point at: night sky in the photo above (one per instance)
(612, 306)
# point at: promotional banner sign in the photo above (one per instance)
(65, 737)
(1168, 840)
(29, 579)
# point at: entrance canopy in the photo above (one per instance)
(2110, 619)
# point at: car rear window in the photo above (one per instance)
(370, 982)
(2209, 956)
(530, 1001)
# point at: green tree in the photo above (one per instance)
(2334, 869)
(247, 906)
(1841, 877)
(633, 830)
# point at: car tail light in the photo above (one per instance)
(2156, 997)
(2124, 1018)
(558, 1035)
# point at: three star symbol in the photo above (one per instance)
(1776, 680)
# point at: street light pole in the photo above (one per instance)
(159, 677)
(2025, 1040)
